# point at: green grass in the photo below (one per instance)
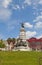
(20, 58)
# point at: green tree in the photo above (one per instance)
(1, 44)
(9, 40)
(13, 40)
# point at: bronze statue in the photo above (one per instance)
(22, 25)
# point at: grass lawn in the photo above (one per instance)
(20, 58)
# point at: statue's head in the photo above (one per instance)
(22, 25)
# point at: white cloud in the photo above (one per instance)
(30, 34)
(33, 3)
(15, 7)
(27, 2)
(5, 14)
(28, 25)
(40, 2)
(5, 3)
(38, 18)
(22, 6)
(38, 22)
(38, 25)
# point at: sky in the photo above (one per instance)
(14, 12)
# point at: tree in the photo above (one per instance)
(9, 40)
(1, 44)
(13, 40)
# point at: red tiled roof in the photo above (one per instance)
(34, 42)
(32, 39)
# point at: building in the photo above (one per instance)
(35, 44)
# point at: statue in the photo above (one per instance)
(22, 25)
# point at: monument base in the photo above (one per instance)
(22, 46)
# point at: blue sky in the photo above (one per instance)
(14, 12)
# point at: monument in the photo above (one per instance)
(22, 43)
(22, 35)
